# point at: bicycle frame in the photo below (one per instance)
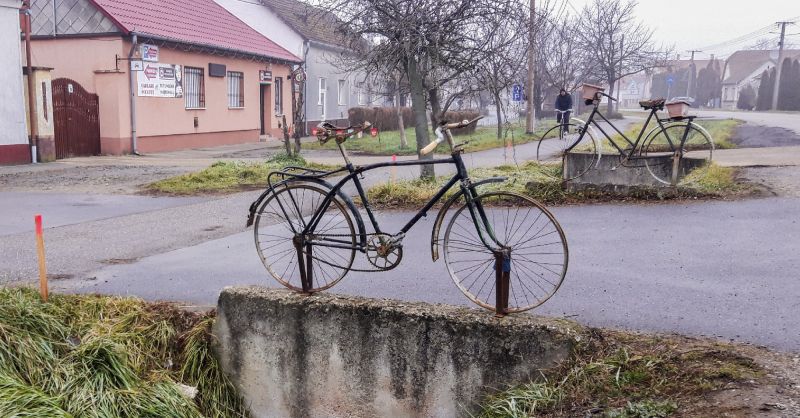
(467, 188)
(629, 155)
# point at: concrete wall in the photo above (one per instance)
(609, 171)
(337, 356)
(13, 135)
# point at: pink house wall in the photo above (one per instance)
(163, 124)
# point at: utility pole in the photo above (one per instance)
(32, 124)
(779, 65)
(690, 87)
(530, 122)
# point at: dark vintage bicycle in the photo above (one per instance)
(668, 143)
(504, 251)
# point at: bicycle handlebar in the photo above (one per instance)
(327, 130)
(440, 133)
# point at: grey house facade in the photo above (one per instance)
(313, 35)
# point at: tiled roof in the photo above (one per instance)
(742, 64)
(310, 22)
(196, 22)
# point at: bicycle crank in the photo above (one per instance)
(384, 252)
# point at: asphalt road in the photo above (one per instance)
(721, 269)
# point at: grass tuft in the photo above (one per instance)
(540, 182)
(228, 176)
(94, 356)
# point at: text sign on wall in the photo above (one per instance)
(265, 77)
(149, 53)
(160, 80)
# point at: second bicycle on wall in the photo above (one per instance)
(665, 147)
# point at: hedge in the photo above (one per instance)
(385, 118)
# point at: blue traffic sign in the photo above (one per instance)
(670, 80)
(516, 93)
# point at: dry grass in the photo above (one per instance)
(229, 176)
(617, 374)
(540, 182)
(92, 356)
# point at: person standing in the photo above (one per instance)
(563, 108)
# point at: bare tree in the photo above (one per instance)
(618, 44)
(566, 63)
(433, 43)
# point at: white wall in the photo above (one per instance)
(265, 22)
(12, 102)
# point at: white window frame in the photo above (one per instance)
(235, 82)
(360, 94)
(341, 93)
(277, 86)
(323, 96)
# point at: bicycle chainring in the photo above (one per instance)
(383, 252)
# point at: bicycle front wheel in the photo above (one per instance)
(556, 142)
(662, 144)
(537, 245)
(281, 220)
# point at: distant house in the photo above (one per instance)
(317, 37)
(14, 147)
(744, 68)
(165, 74)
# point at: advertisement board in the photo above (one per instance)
(160, 80)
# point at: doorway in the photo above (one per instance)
(265, 101)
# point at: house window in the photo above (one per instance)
(194, 88)
(323, 95)
(235, 89)
(278, 86)
(342, 93)
(362, 95)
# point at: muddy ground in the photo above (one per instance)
(757, 136)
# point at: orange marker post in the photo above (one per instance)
(42, 266)
(394, 169)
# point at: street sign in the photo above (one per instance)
(149, 53)
(137, 64)
(670, 80)
(516, 93)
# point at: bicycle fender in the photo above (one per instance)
(346, 199)
(437, 226)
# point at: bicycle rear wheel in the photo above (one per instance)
(662, 144)
(281, 220)
(537, 244)
(553, 145)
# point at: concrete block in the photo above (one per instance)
(338, 356)
(609, 170)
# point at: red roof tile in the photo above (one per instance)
(197, 22)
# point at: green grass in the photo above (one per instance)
(227, 176)
(388, 143)
(720, 131)
(628, 376)
(92, 356)
(541, 183)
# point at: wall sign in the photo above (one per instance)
(216, 70)
(160, 80)
(149, 53)
(265, 77)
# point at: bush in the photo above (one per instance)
(385, 118)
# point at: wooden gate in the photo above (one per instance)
(77, 126)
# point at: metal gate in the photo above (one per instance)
(77, 126)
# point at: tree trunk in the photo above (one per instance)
(420, 118)
(286, 141)
(499, 109)
(610, 106)
(436, 107)
(400, 124)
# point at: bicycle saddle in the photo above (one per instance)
(652, 103)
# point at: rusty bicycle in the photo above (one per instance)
(504, 251)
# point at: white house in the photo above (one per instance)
(744, 68)
(14, 147)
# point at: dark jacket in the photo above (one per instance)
(563, 102)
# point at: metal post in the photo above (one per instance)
(32, 119)
(132, 76)
(779, 65)
(530, 121)
(502, 267)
